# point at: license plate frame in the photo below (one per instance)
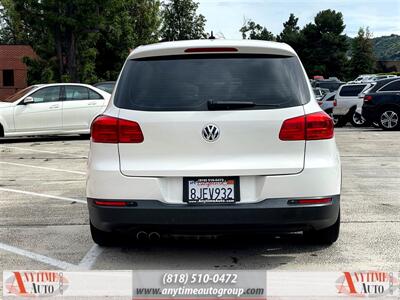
(236, 190)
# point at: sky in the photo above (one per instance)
(227, 16)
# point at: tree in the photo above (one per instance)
(324, 45)
(11, 27)
(290, 33)
(252, 31)
(129, 23)
(181, 22)
(362, 55)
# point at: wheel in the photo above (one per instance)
(339, 121)
(389, 119)
(102, 238)
(357, 120)
(326, 236)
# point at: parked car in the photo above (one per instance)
(319, 93)
(330, 84)
(347, 103)
(382, 104)
(51, 109)
(213, 136)
(327, 104)
(107, 86)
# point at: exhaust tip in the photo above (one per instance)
(154, 236)
(141, 235)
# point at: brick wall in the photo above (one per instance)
(11, 59)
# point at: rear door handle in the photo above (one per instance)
(54, 106)
(92, 103)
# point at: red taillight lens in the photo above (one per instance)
(107, 129)
(293, 129)
(211, 49)
(315, 126)
(319, 126)
(110, 203)
(310, 201)
(367, 98)
(334, 102)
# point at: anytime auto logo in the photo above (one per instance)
(32, 283)
(367, 284)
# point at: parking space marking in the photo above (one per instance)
(43, 195)
(37, 257)
(44, 151)
(44, 168)
(90, 258)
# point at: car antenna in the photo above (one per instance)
(212, 37)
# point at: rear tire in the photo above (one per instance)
(389, 119)
(102, 238)
(357, 120)
(340, 121)
(326, 236)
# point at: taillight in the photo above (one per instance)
(107, 129)
(367, 98)
(315, 126)
(334, 102)
(111, 203)
(310, 201)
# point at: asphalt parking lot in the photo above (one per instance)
(44, 219)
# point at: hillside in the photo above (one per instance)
(387, 47)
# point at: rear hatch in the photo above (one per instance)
(211, 115)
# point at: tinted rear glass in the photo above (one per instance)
(351, 90)
(187, 83)
(394, 86)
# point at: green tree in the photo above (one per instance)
(252, 31)
(290, 33)
(128, 24)
(64, 32)
(11, 27)
(324, 45)
(180, 21)
(362, 55)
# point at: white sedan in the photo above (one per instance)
(60, 108)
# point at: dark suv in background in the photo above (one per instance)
(382, 104)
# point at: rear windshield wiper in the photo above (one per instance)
(217, 105)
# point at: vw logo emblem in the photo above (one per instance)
(210, 133)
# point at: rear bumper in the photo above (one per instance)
(271, 215)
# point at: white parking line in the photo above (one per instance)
(38, 257)
(43, 195)
(44, 151)
(43, 168)
(90, 258)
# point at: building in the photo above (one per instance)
(13, 72)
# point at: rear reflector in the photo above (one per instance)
(315, 126)
(367, 98)
(110, 203)
(106, 129)
(310, 201)
(210, 49)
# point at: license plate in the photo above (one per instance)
(211, 190)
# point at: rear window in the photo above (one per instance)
(187, 83)
(391, 87)
(351, 90)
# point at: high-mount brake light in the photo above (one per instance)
(211, 49)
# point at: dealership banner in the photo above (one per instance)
(200, 284)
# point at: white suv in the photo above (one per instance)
(213, 136)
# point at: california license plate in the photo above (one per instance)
(211, 190)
